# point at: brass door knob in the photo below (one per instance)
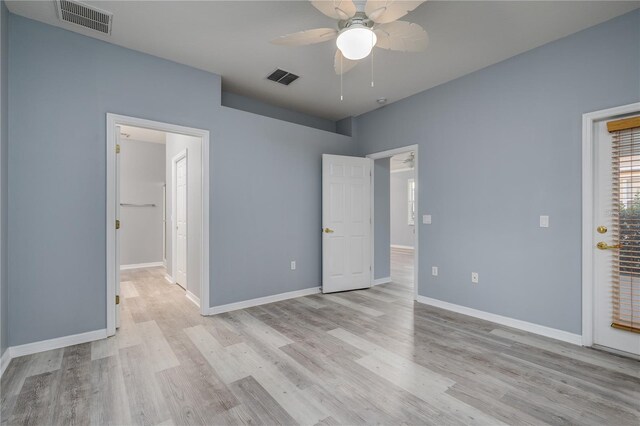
(328, 231)
(601, 229)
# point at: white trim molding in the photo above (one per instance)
(193, 298)
(530, 327)
(141, 265)
(384, 280)
(405, 169)
(399, 246)
(48, 345)
(169, 279)
(57, 343)
(114, 120)
(416, 174)
(588, 184)
(5, 360)
(262, 300)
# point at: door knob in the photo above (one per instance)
(604, 246)
(601, 229)
(328, 231)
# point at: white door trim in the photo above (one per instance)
(378, 156)
(114, 120)
(588, 185)
(174, 203)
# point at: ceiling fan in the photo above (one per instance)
(361, 26)
(406, 159)
(410, 160)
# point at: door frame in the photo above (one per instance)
(588, 185)
(416, 238)
(114, 120)
(174, 208)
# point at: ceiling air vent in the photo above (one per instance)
(282, 77)
(84, 15)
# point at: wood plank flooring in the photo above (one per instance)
(364, 357)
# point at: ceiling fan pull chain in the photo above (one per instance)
(341, 73)
(372, 85)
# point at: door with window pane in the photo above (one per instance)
(617, 236)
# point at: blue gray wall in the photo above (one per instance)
(345, 126)
(62, 86)
(4, 166)
(401, 231)
(264, 219)
(381, 218)
(243, 103)
(498, 148)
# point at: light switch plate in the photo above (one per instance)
(426, 219)
(475, 278)
(293, 265)
(544, 221)
(434, 271)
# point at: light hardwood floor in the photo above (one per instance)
(371, 356)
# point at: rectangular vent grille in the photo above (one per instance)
(282, 77)
(84, 15)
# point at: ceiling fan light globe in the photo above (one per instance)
(356, 42)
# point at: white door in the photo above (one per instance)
(181, 222)
(617, 227)
(117, 200)
(346, 218)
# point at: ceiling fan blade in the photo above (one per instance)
(385, 11)
(402, 36)
(304, 38)
(336, 9)
(347, 64)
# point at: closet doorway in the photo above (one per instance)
(157, 202)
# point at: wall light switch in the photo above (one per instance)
(426, 219)
(475, 278)
(544, 221)
(293, 265)
(434, 271)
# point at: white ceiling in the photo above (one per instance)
(231, 38)
(142, 134)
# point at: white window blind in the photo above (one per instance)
(625, 288)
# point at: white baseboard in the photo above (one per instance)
(141, 265)
(384, 280)
(542, 330)
(5, 360)
(262, 300)
(192, 297)
(169, 278)
(398, 246)
(59, 342)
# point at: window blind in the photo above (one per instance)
(625, 288)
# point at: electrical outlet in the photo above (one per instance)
(544, 221)
(474, 277)
(434, 271)
(426, 219)
(293, 265)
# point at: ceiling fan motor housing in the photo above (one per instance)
(360, 18)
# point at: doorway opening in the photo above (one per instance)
(395, 217)
(157, 202)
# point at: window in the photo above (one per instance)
(411, 198)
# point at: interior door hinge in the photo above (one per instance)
(117, 148)
(117, 299)
(117, 224)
